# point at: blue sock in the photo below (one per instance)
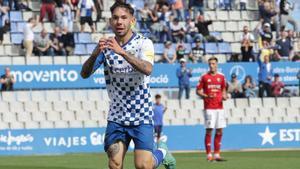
(158, 156)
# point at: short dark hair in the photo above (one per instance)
(120, 4)
(158, 96)
(276, 75)
(213, 58)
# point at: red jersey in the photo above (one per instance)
(212, 85)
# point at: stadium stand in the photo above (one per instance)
(83, 108)
(18, 109)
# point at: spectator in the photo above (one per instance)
(177, 31)
(265, 34)
(277, 86)
(285, 15)
(169, 54)
(57, 43)
(264, 76)
(180, 51)
(158, 110)
(145, 14)
(23, 6)
(7, 81)
(85, 9)
(197, 7)
(266, 50)
(67, 18)
(47, 6)
(29, 36)
(246, 45)
(266, 13)
(179, 9)
(4, 10)
(243, 5)
(248, 87)
(42, 45)
(68, 41)
(228, 4)
(164, 18)
(183, 75)
(235, 87)
(3, 30)
(284, 47)
(202, 26)
(246, 35)
(247, 51)
(197, 52)
(14, 5)
(99, 8)
(191, 31)
(291, 35)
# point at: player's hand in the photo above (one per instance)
(101, 46)
(113, 45)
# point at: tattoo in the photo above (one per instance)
(139, 64)
(113, 150)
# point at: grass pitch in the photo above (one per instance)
(236, 160)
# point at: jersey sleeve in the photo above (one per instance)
(200, 83)
(147, 51)
(99, 61)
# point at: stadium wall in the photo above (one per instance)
(164, 75)
(90, 140)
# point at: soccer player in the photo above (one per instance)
(212, 88)
(128, 62)
(159, 109)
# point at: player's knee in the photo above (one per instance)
(219, 131)
(208, 131)
(114, 164)
(144, 164)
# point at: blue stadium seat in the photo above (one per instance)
(15, 16)
(159, 48)
(188, 48)
(211, 48)
(20, 26)
(16, 38)
(80, 49)
(84, 38)
(13, 27)
(215, 34)
(224, 48)
(90, 47)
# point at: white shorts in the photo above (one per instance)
(214, 118)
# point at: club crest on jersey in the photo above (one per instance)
(208, 80)
(218, 79)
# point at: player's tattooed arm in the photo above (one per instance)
(140, 65)
(87, 68)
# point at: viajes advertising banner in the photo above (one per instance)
(91, 140)
(164, 75)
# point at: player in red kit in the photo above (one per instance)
(212, 88)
